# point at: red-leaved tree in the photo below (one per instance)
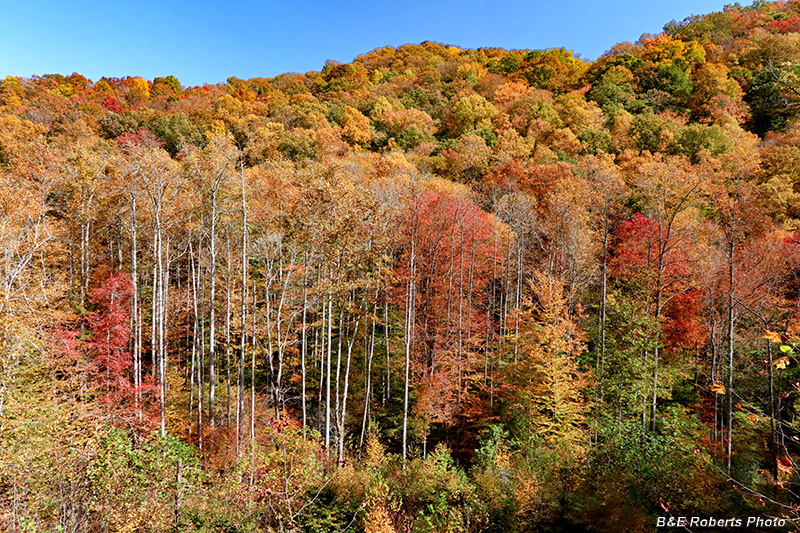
(111, 332)
(102, 356)
(651, 264)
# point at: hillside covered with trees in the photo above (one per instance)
(433, 290)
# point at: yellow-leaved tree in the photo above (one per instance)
(549, 386)
(546, 403)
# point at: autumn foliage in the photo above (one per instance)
(434, 289)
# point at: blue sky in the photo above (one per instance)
(204, 41)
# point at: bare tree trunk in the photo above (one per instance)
(162, 334)
(268, 309)
(411, 289)
(729, 447)
(153, 315)
(470, 290)
(303, 338)
(459, 348)
(601, 334)
(715, 375)
(253, 390)
(350, 343)
(507, 301)
(656, 353)
(201, 354)
(337, 411)
(368, 372)
(135, 322)
(282, 331)
(321, 332)
(243, 312)
(212, 345)
(517, 296)
(388, 390)
(195, 328)
(84, 263)
(239, 402)
(158, 330)
(228, 337)
(328, 377)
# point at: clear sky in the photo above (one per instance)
(205, 41)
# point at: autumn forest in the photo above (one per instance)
(432, 290)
